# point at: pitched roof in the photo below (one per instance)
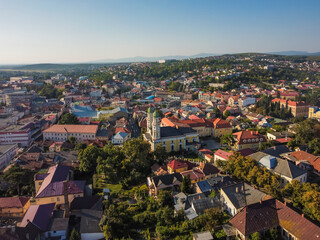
(220, 123)
(167, 179)
(39, 215)
(89, 129)
(176, 164)
(245, 137)
(13, 202)
(171, 131)
(242, 194)
(194, 173)
(209, 169)
(223, 154)
(57, 188)
(273, 213)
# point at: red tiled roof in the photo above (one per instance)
(304, 156)
(92, 129)
(176, 164)
(270, 214)
(194, 174)
(223, 154)
(246, 137)
(13, 202)
(220, 123)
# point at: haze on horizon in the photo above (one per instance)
(38, 31)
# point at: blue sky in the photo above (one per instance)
(37, 31)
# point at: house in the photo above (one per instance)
(120, 138)
(246, 101)
(177, 166)
(14, 206)
(302, 156)
(284, 168)
(273, 214)
(168, 181)
(55, 186)
(314, 112)
(203, 187)
(195, 175)
(38, 216)
(209, 170)
(57, 228)
(89, 225)
(222, 155)
(248, 139)
(237, 196)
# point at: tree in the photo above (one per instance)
(72, 139)
(314, 146)
(21, 180)
(160, 154)
(255, 236)
(217, 112)
(226, 114)
(75, 235)
(88, 159)
(227, 139)
(186, 184)
(68, 118)
(165, 198)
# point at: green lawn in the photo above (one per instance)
(100, 183)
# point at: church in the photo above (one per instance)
(173, 139)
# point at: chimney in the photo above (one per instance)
(274, 147)
(222, 179)
(237, 189)
(66, 200)
(242, 188)
(302, 215)
(260, 201)
(285, 203)
(252, 132)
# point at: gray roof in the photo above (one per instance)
(203, 236)
(200, 205)
(5, 148)
(283, 166)
(172, 132)
(90, 220)
(243, 194)
(59, 224)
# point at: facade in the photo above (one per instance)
(14, 206)
(119, 138)
(314, 112)
(61, 133)
(7, 153)
(12, 99)
(172, 139)
(168, 181)
(298, 109)
(16, 134)
(246, 101)
(248, 139)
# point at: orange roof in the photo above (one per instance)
(220, 123)
(167, 122)
(92, 129)
(245, 137)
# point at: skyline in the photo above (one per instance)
(82, 31)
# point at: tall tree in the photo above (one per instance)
(68, 118)
(186, 184)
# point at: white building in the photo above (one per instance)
(120, 138)
(61, 133)
(15, 134)
(246, 101)
(7, 153)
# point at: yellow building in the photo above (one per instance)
(314, 112)
(248, 139)
(55, 186)
(176, 166)
(171, 138)
(14, 206)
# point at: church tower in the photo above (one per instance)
(149, 120)
(156, 125)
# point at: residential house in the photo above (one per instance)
(120, 138)
(248, 139)
(237, 196)
(169, 181)
(284, 168)
(222, 155)
(7, 153)
(273, 214)
(302, 156)
(55, 186)
(14, 206)
(177, 166)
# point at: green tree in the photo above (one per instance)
(255, 236)
(314, 146)
(72, 139)
(186, 184)
(165, 198)
(68, 118)
(88, 159)
(226, 114)
(75, 235)
(160, 154)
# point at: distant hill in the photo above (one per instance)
(296, 53)
(152, 59)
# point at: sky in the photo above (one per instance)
(62, 31)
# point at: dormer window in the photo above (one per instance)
(249, 140)
(261, 139)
